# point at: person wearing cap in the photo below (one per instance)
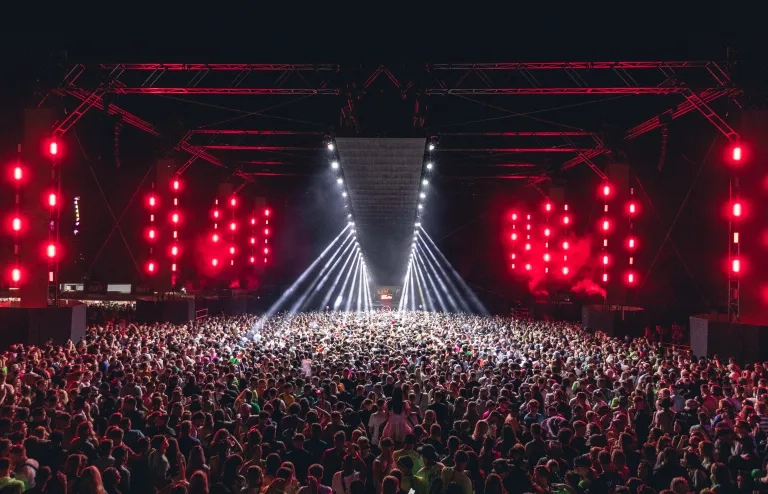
(432, 470)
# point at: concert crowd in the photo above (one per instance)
(379, 403)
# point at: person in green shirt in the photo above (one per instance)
(410, 451)
(5, 475)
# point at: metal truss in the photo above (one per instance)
(417, 81)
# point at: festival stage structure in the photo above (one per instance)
(689, 86)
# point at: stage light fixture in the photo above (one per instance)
(52, 200)
(527, 246)
(422, 195)
(151, 234)
(631, 243)
(736, 265)
(335, 165)
(174, 251)
(421, 206)
(565, 270)
(18, 173)
(175, 217)
(548, 207)
(605, 277)
(431, 146)
(429, 165)
(215, 262)
(252, 259)
(16, 275)
(232, 250)
(606, 225)
(565, 245)
(266, 250)
(630, 278)
(233, 202)
(215, 238)
(632, 208)
(417, 224)
(50, 251)
(215, 213)
(514, 216)
(343, 194)
(737, 209)
(547, 232)
(266, 212)
(16, 224)
(425, 182)
(253, 221)
(527, 267)
(546, 257)
(53, 148)
(736, 154)
(232, 226)
(152, 201)
(330, 146)
(514, 236)
(606, 190)
(339, 181)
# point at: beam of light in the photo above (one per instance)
(437, 282)
(352, 267)
(361, 271)
(462, 284)
(424, 304)
(412, 286)
(320, 284)
(331, 290)
(348, 305)
(442, 276)
(313, 285)
(434, 293)
(368, 300)
(289, 292)
(404, 294)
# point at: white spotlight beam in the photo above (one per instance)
(431, 280)
(322, 275)
(461, 304)
(289, 292)
(439, 277)
(348, 305)
(340, 296)
(479, 305)
(332, 289)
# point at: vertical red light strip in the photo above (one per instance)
(175, 220)
(152, 234)
(267, 232)
(547, 234)
(605, 226)
(631, 238)
(52, 201)
(18, 173)
(567, 220)
(528, 243)
(252, 241)
(232, 230)
(215, 238)
(514, 237)
(734, 240)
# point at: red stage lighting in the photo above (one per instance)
(253, 221)
(527, 267)
(175, 217)
(215, 262)
(233, 202)
(151, 234)
(253, 259)
(215, 213)
(266, 250)
(527, 246)
(565, 245)
(53, 148)
(546, 257)
(50, 251)
(737, 209)
(566, 220)
(16, 275)
(605, 260)
(18, 173)
(606, 190)
(630, 278)
(232, 226)
(605, 277)
(174, 251)
(548, 207)
(736, 265)
(546, 232)
(173, 267)
(253, 240)
(152, 201)
(175, 185)
(736, 154)
(52, 200)
(16, 224)
(215, 237)
(606, 225)
(632, 208)
(514, 236)
(151, 267)
(631, 242)
(266, 231)
(232, 250)
(565, 270)
(266, 212)
(514, 216)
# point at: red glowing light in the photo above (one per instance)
(606, 190)
(527, 267)
(16, 275)
(513, 266)
(215, 237)
(253, 221)
(546, 257)
(548, 207)
(527, 246)
(514, 216)
(16, 224)
(253, 259)
(233, 202)
(513, 256)
(18, 173)
(253, 240)
(565, 245)
(232, 226)
(736, 265)
(52, 200)
(737, 209)
(630, 278)
(632, 208)
(50, 251)
(174, 251)
(514, 236)
(527, 227)
(605, 277)
(215, 262)
(605, 260)
(565, 269)
(606, 225)
(151, 233)
(173, 267)
(266, 231)
(151, 267)
(152, 201)
(546, 232)
(175, 185)
(266, 250)
(566, 220)
(631, 242)
(215, 213)
(232, 250)
(266, 212)
(265, 260)
(736, 154)
(175, 217)
(53, 148)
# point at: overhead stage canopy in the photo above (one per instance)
(383, 182)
